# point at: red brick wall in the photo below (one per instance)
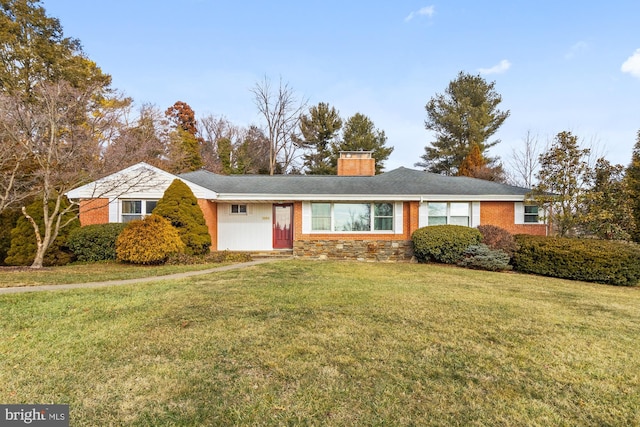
(94, 211)
(502, 214)
(210, 212)
(356, 167)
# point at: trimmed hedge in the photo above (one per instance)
(600, 261)
(95, 242)
(482, 257)
(443, 243)
(148, 241)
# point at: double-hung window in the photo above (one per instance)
(531, 214)
(137, 209)
(453, 213)
(352, 217)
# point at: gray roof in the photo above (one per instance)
(401, 181)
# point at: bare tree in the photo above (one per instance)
(525, 162)
(58, 131)
(281, 112)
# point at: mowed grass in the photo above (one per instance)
(329, 343)
(93, 272)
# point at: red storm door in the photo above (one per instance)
(282, 226)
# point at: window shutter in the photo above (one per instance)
(519, 213)
(423, 215)
(398, 218)
(475, 214)
(306, 217)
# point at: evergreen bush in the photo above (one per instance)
(589, 260)
(482, 257)
(443, 243)
(23, 238)
(148, 241)
(498, 238)
(180, 207)
(8, 220)
(95, 242)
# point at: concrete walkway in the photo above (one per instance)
(22, 289)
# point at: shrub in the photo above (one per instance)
(482, 257)
(601, 261)
(148, 241)
(23, 238)
(180, 207)
(8, 220)
(95, 242)
(443, 243)
(498, 238)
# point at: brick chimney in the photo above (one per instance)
(356, 163)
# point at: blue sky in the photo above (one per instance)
(559, 65)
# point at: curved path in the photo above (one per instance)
(22, 289)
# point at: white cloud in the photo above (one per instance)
(632, 64)
(576, 50)
(425, 11)
(500, 68)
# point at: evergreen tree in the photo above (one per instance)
(360, 134)
(319, 130)
(633, 185)
(180, 207)
(608, 209)
(562, 180)
(464, 116)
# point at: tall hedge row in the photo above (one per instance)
(601, 261)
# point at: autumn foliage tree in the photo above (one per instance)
(184, 142)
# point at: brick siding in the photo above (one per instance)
(94, 211)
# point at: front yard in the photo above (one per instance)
(329, 343)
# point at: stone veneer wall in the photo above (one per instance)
(361, 250)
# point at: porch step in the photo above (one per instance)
(278, 253)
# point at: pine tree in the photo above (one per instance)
(360, 134)
(180, 207)
(319, 130)
(465, 115)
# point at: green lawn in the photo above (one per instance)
(96, 272)
(329, 343)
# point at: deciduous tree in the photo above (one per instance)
(281, 112)
(184, 142)
(465, 115)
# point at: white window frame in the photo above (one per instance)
(241, 209)
(520, 214)
(145, 209)
(448, 215)
(395, 223)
